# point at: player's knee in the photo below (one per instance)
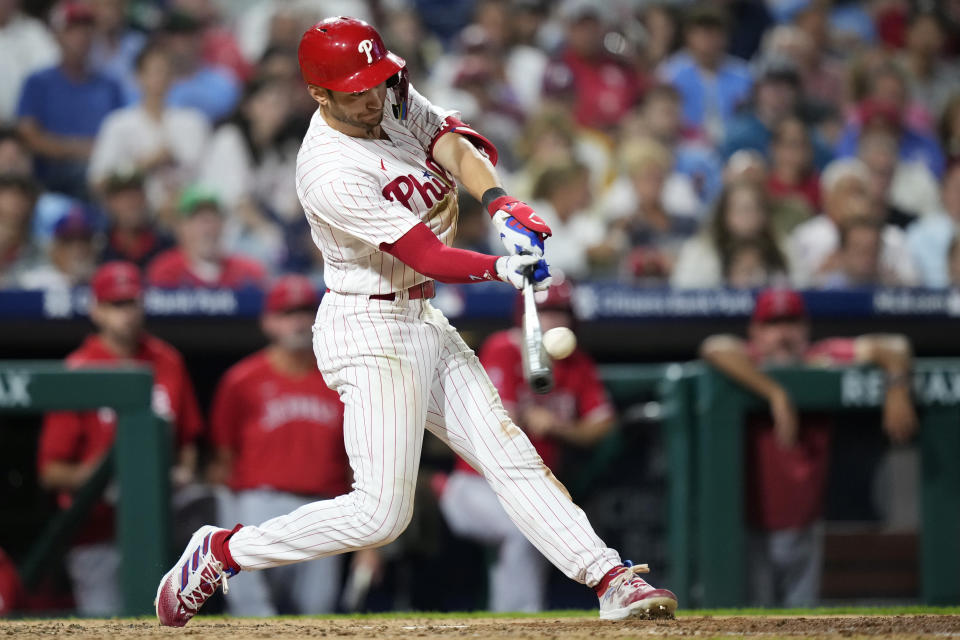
(385, 521)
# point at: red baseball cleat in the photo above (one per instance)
(623, 594)
(194, 578)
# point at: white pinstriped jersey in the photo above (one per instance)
(359, 193)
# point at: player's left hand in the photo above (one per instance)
(515, 270)
(521, 229)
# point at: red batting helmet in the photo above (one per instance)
(345, 54)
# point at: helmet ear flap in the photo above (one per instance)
(400, 83)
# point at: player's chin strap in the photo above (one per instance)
(400, 83)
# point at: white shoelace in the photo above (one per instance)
(193, 596)
(629, 574)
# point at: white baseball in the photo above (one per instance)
(559, 342)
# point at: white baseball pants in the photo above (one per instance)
(399, 367)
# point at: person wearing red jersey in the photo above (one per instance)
(577, 411)
(787, 454)
(278, 433)
(72, 443)
(199, 259)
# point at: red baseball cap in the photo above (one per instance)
(291, 292)
(115, 281)
(777, 304)
(71, 12)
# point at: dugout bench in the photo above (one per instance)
(139, 460)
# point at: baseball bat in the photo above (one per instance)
(537, 367)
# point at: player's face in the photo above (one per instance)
(780, 342)
(121, 321)
(291, 330)
(358, 113)
(200, 234)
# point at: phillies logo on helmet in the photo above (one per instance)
(366, 46)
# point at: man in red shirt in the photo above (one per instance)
(576, 412)
(199, 260)
(72, 443)
(278, 432)
(787, 455)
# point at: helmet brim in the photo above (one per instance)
(368, 77)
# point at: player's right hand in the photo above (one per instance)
(514, 269)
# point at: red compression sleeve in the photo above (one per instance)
(421, 250)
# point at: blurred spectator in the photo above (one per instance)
(856, 262)
(656, 211)
(196, 84)
(949, 128)
(792, 174)
(776, 92)
(15, 158)
(61, 108)
(116, 45)
(712, 83)
(660, 118)
(404, 34)
(788, 455)
(748, 165)
(72, 444)
(19, 253)
(27, 46)
(931, 79)
(899, 190)
(250, 164)
(71, 255)
(742, 213)
(604, 86)
(885, 106)
(845, 188)
(662, 29)
(526, 61)
(199, 259)
(648, 179)
(220, 48)
(164, 143)
(929, 237)
(579, 241)
(577, 412)
(745, 266)
(131, 236)
(821, 76)
(278, 433)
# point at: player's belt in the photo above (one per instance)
(422, 290)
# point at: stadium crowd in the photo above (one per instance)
(732, 143)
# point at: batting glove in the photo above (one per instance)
(516, 270)
(521, 229)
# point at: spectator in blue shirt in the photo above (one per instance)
(212, 90)
(885, 105)
(712, 83)
(776, 97)
(61, 108)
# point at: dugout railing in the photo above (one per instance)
(704, 414)
(139, 461)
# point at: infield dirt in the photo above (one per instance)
(898, 627)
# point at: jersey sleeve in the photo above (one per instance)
(832, 351)
(499, 358)
(353, 203)
(592, 398)
(428, 123)
(59, 438)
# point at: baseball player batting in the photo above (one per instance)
(377, 175)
